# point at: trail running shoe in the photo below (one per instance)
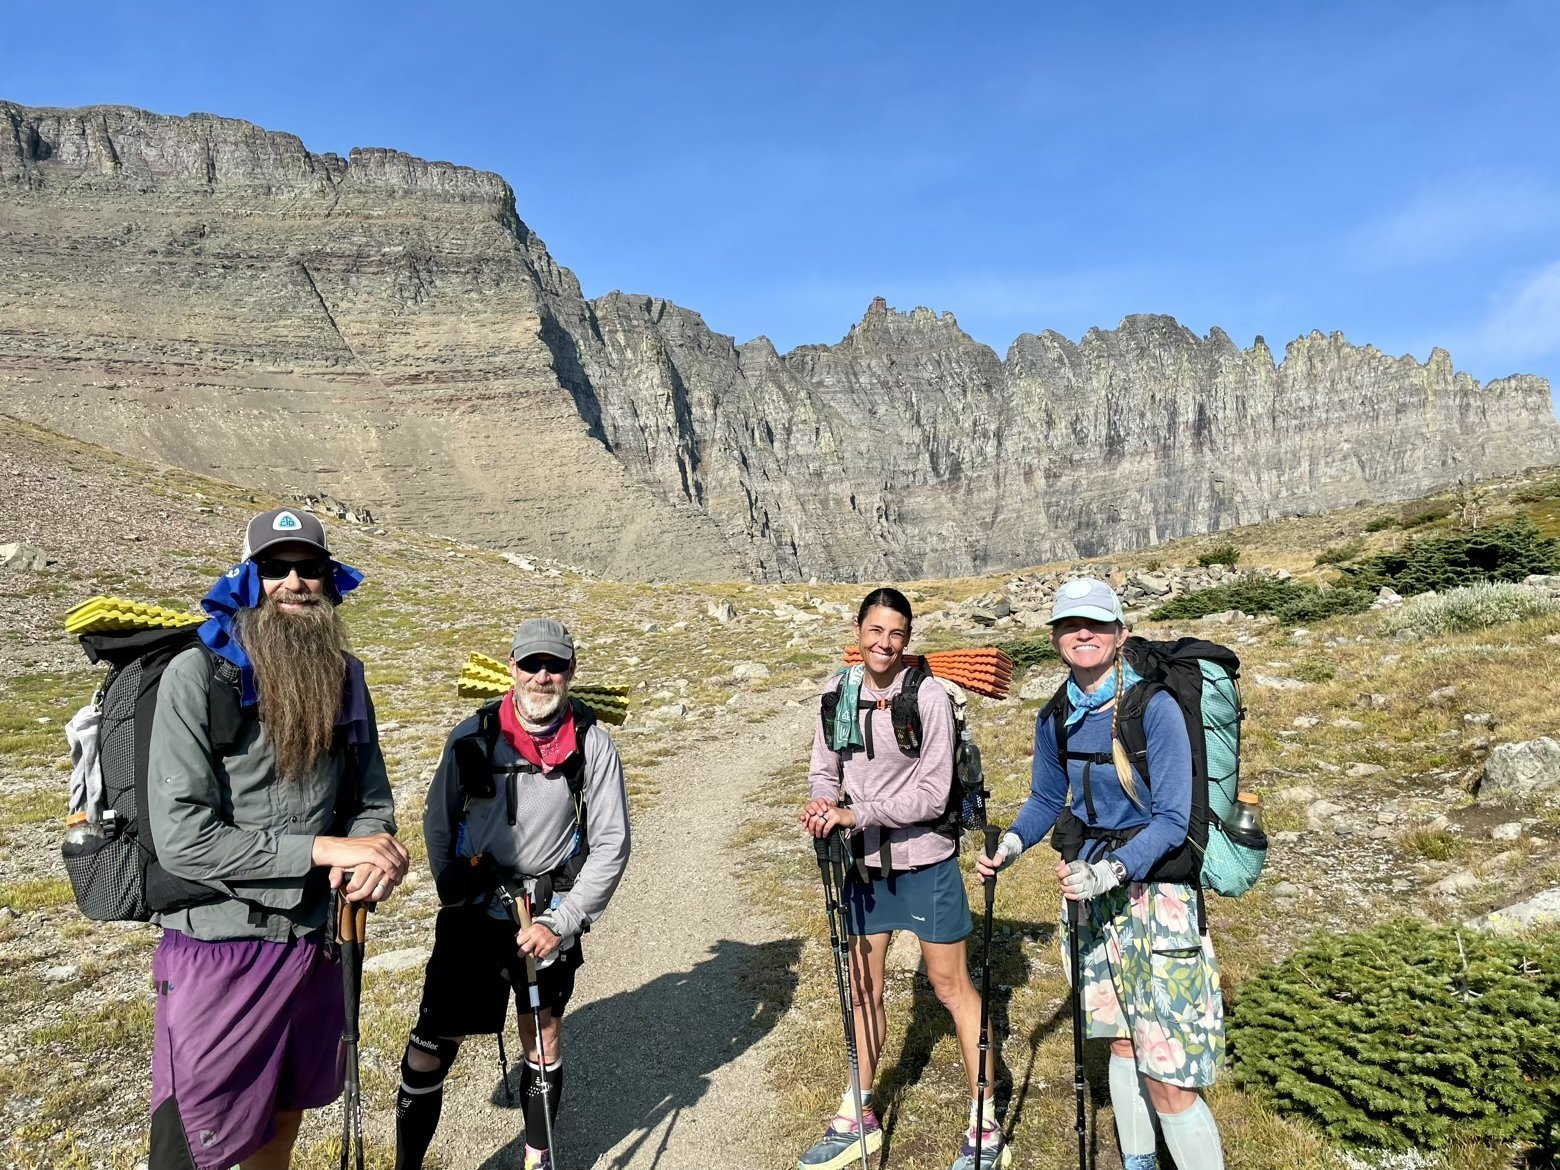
(540, 1161)
(1140, 1162)
(994, 1152)
(840, 1147)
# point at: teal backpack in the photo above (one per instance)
(1218, 854)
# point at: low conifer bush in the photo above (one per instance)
(1290, 601)
(1225, 554)
(1405, 1035)
(1502, 552)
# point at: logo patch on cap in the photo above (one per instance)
(286, 522)
(1075, 589)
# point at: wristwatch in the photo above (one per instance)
(1117, 868)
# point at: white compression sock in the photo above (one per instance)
(1134, 1116)
(1193, 1138)
(848, 1103)
(988, 1115)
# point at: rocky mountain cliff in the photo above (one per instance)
(210, 294)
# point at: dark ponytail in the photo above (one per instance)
(889, 598)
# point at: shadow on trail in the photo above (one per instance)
(639, 1058)
(930, 1022)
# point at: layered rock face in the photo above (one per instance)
(207, 293)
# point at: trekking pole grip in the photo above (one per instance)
(993, 833)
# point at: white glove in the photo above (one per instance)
(1008, 849)
(1086, 879)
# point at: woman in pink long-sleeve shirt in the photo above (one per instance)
(907, 871)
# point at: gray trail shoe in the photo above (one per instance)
(994, 1151)
(838, 1148)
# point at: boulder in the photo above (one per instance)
(408, 959)
(748, 671)
(1542, 909)
(722, 611)
(20, 557)
(1362, 770)
(1522, 770)
(1387, 599)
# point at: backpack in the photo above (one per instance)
(1202, 677)
(965, 807)
(474, 755)
(115, 877)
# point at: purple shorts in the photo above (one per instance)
(245, 1029)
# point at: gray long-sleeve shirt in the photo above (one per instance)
(231, 824)
(542, 837)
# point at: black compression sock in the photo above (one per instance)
(531, 1094)
(417, 1108)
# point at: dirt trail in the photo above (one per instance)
(665, 1039)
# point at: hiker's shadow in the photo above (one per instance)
(640, 1058)
(930, 1021)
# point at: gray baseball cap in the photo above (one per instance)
(542, 636)
(283, 526)
(1086, 597)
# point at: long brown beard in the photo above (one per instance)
(299, 670)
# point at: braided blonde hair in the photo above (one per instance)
(1118, 751)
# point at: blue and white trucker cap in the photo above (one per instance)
(1086, 597)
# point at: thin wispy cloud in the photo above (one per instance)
(1454, 219)
(1524, 324)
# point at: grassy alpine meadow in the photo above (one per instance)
(1391, 731)
(1388, 731)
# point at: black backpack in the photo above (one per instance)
(115, 877)
(965, 807)
(474, 761)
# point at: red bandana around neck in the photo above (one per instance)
(547, 752)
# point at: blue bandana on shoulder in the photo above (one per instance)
(1083, 705)
(241, 588)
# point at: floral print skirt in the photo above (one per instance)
(1150, 976)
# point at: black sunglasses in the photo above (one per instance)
(277, 568)
(536, 663)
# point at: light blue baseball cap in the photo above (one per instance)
(1086, 597)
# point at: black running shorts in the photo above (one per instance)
(475, 967)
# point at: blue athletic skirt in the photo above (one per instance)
(930, 902)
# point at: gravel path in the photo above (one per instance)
(665, 1041)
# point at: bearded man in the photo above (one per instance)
(249, 1010)
(527, 806)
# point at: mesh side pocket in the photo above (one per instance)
(1232, 865)
(106, 878)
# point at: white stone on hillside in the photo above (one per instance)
(402, 960)
(1363, 769)
(1541, 909)
(1522, 769)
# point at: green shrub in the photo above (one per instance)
(1473, 607)
(1340, 553)
(1314, 670)
(1225, 554)
(1422, 512)
(1289, 601)
(1380, 524)
(1403, 1036)
(1504, 552)
(1027, 652)
(1537, 493)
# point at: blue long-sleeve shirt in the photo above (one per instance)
(1169, 800)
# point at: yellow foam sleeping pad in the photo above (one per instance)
(108, 615)
(487, 678)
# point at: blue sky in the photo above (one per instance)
(1372, 166)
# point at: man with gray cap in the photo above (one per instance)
(528, 806)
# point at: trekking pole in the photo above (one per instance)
(520, 912)
(1069, 851)
(831, 866)
(351, 927)
(992, 833)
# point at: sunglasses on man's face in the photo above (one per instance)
(277, 568)
(536, 663)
